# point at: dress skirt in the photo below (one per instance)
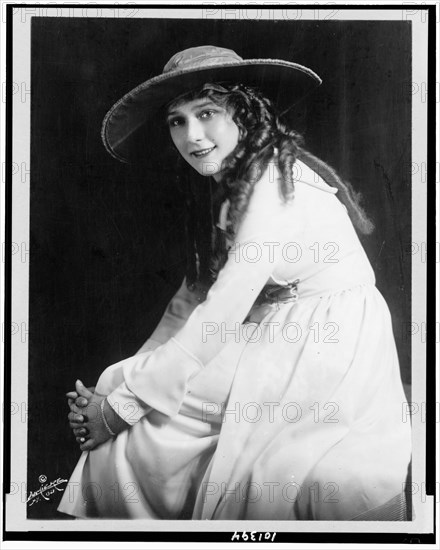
(299, 417)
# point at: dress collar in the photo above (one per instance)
(301, 172)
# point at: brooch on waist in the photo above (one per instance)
(274, 294)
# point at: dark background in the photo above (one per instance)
(107, 238)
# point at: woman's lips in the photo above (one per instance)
(202, 152)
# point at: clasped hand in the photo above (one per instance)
(86, 417)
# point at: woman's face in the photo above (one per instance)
(204, 134)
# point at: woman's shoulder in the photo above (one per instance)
(266, 192)
(301, 172)
(311, 195)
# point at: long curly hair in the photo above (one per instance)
(261, 132)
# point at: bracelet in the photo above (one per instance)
(110, 431)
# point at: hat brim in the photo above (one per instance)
(282, 81)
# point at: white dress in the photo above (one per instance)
(272, 410)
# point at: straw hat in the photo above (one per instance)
(136, 113)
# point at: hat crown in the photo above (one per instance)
(189, 70)
(201, 56)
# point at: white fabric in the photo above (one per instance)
(274, 419)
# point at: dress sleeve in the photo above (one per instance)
(159, 378)
(175, 316)
(126, 403)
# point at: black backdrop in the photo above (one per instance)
(107, 238)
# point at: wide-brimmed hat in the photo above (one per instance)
(282, 81)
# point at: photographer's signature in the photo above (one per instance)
(46, 490)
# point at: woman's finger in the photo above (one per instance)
(82, 390)
(72, 394)
(80, 432)
(74, 425)
(75, 409)
(77, 418)
(87, 445)
(81, 402)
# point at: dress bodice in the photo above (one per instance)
(324, 254)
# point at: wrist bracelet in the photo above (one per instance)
(110, 431)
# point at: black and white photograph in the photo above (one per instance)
(218, 253)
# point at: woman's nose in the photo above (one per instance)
(194, 131)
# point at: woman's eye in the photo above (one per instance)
(174, 122)
(207, 114)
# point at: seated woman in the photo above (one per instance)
(271, 388)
